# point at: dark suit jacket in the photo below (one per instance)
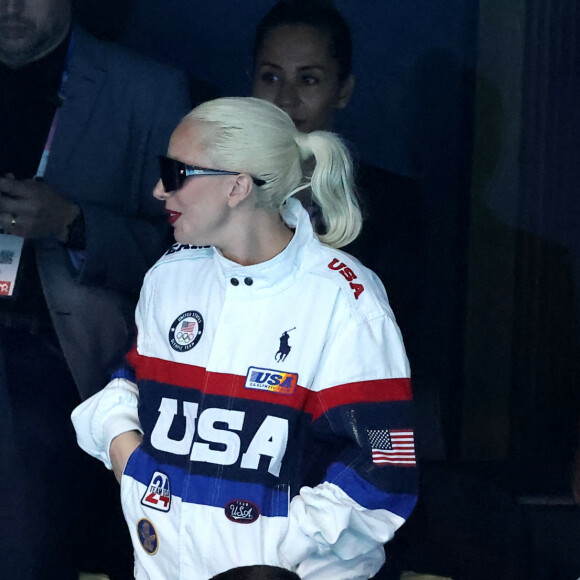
(119, 112)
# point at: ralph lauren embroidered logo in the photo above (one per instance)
(284, 348)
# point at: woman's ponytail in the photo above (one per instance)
(332, 186)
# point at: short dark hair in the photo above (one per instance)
(259, 572)
(321, 15)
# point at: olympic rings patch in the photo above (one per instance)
(186, 331)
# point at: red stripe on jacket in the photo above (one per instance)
(228, 385)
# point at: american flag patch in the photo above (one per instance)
(392, 446)
(188, 326)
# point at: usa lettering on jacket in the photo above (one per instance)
(349, 276)
(270, 440)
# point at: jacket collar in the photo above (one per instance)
(278, 273)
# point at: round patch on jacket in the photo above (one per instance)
(148, 537)
(186, 331)
(242, 511)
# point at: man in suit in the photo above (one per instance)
(82, 122)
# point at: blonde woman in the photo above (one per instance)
(264, 415)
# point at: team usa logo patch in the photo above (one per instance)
(158, 493)
(242, 511)
(186, 331)
(392, 446)
(148, 537)
(279, 382)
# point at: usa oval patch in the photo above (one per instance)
(242, 511)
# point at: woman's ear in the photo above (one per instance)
(240, 190)
(345, 92)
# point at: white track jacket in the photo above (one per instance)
(275, 404)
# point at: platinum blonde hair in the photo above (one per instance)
(254, 136)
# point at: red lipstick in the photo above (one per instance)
(172, 216)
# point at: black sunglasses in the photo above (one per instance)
(174, 173)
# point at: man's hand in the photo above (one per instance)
(32, 209)
(121, 448)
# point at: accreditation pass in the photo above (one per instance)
(10, 253)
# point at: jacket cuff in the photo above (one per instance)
(107, 414)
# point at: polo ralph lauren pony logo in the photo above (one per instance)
(285, 348)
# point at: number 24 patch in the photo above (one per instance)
(158, 493)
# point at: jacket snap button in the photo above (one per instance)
(234, 281)
(248, 281)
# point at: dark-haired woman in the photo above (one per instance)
(303, 63)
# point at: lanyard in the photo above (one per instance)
(61, 95)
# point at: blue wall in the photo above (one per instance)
(213, 40)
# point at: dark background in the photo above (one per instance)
(213, 41)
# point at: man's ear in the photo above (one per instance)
(240, 190)
(345, 92)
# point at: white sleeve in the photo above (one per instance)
(331, 536)
(108, 413)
